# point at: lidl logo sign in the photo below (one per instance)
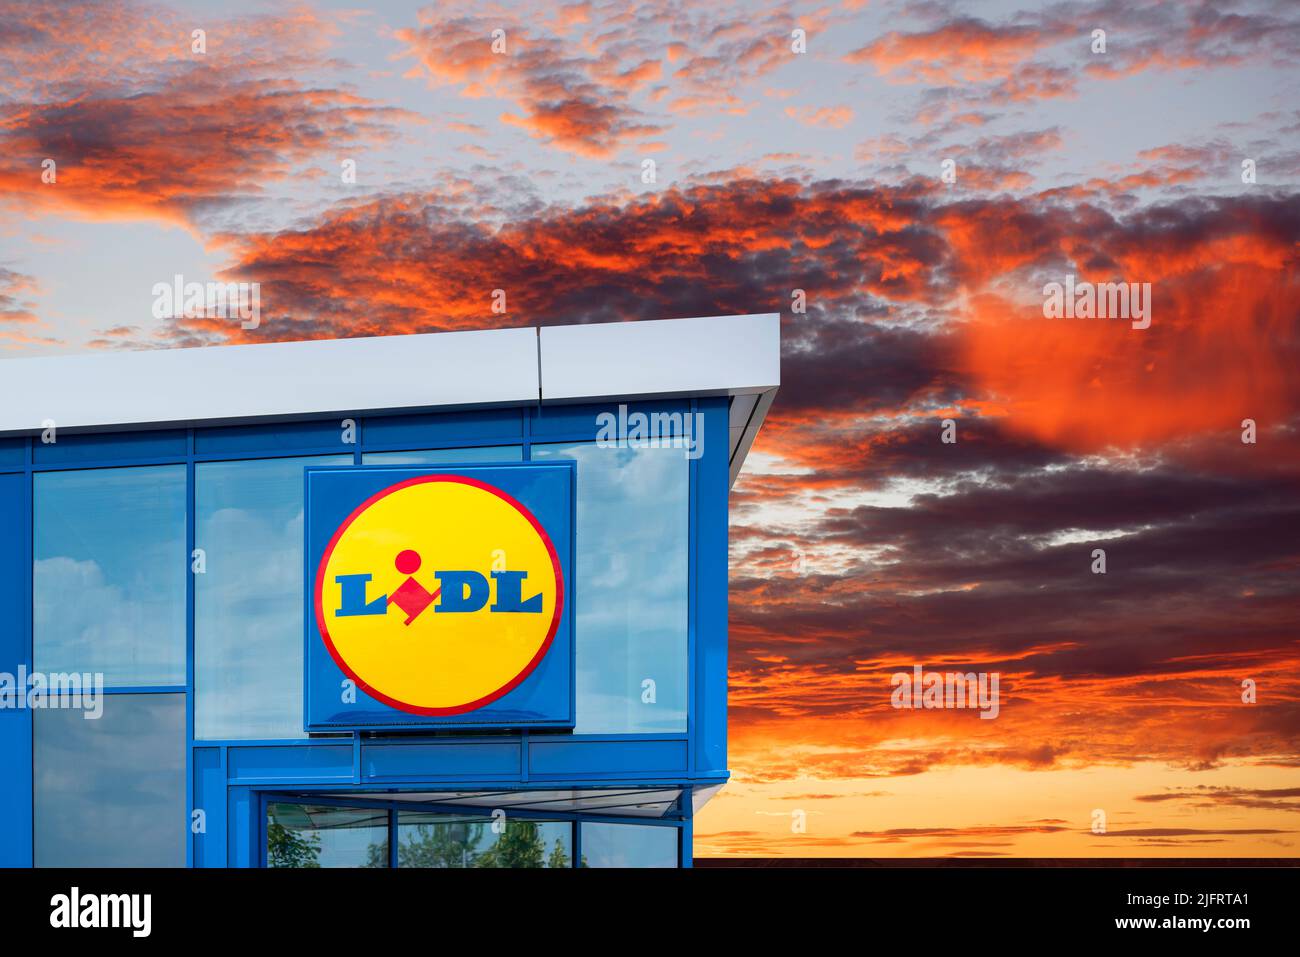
(441, 595)
(410, 606)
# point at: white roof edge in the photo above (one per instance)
(218, 385)
(267, 381)
(720, 355)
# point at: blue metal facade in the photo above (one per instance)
(230, 781)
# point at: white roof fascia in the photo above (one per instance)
(263, 382)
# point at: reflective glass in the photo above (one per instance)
(632, 530)
(108, 582)
(628, 845)
(427, 839)
(307, 835)
(248, 604)
(486, 453)
(110, 792)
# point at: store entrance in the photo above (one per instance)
(361, 830)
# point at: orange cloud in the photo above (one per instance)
(198, 143)
(592, 95)
(566, 97)
(969, 51)
(138, 126)
(1220, 304)
(1223, 280)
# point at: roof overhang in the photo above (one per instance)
(649, 801)
(734, 356)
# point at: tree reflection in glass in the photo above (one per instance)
(475, 843)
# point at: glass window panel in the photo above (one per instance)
(109, 574)
(427, 839)
(307, 835)
(248, 605)
(110, 792)
(632, 528)
(628, 845)
(484, 453)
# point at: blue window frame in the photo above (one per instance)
(225, 778)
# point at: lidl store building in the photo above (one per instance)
(447, 600)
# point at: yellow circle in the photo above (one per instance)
(430, 658)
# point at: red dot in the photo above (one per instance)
(408, 562)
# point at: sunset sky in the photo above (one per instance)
(862, 544)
